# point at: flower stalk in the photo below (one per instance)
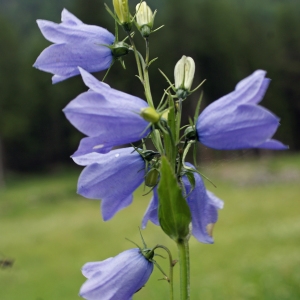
(184, 262)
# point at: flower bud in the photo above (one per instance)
(184, 74)
(152, 178)
(150, 114)
(122, 11)
(144, 18)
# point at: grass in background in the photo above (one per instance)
(51, 232)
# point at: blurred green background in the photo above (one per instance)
(51, 232)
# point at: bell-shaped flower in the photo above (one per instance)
(116, 278)
(203, 205)
(111, 177)
(108, 117)
(235, 121)
(75, 44)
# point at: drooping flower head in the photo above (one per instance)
(235, 121)
(111, 177)
(75, 44)
(116, 278)
(108, 117)
(203, 205)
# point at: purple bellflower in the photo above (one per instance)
(111, 177)
(116, 278)
(203, 205)
(108, 117)
(75, 44)
(235, 121)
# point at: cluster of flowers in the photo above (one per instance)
(111, 118)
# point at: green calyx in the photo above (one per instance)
(119, 49)
(182, 93)
(145, 31)
(147, 253)
(148, 155)
(190, 133)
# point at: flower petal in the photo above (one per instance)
(245, 126)
(64, 59)
(204, 207)
(67, 17)
(90, 268)
(151, 212)
(273, 144)
(113, 177)
(250, 90)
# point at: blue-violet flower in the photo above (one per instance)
(108, 117)
(112, 177)
(75, 44)
(203, 205)
(235, 121)
(116, 278)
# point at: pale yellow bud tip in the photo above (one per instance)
(150, 114)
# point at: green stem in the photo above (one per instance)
(146, 76)
(136, 55)
(184, 262)
(170, 278)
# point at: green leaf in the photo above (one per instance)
(173, 211)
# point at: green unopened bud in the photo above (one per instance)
(123, 14)
(144, 18)
(184, 74)
(150, 114)
(190, 133)
(152, 178)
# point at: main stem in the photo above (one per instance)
(184, 262)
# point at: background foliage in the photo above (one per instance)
(228, 39)
(50, 232)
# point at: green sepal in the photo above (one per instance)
(170, 148)
(173, 211)
(191, 179)
(156, 139)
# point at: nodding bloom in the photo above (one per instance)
(108, 117)
(116, 278)
(235, 121)
(75, 44)
(111, 177)
(203, 205)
